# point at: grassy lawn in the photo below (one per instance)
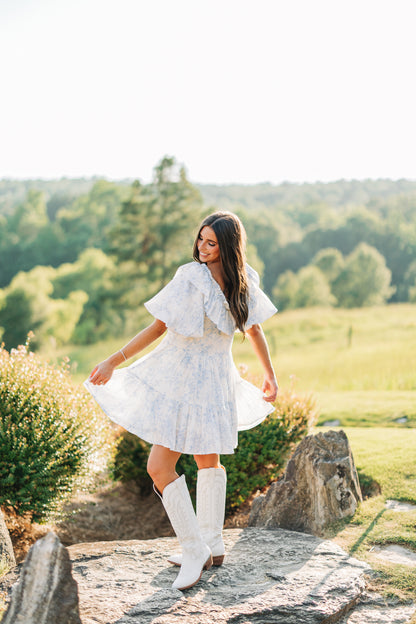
(389, 457)
(329, 350)
(368, 408)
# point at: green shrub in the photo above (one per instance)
(258, 460)
(130, 462)
(52, 436)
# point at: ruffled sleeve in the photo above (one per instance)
(180, 305)
(193, 292)
(260, 308)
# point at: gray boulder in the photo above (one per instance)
(6, 548)
(320, 485)
(272, 576)
(46, 592)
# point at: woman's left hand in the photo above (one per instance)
(270, 389)
(101, 373)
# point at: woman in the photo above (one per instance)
(186, 396)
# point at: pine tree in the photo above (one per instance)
(154, 232)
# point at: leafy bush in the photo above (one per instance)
(258, 460)
(130, 462)
(52, 436)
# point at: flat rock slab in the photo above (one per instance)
(396, 554)
(400, 506)
(332, 423)
(268, 577)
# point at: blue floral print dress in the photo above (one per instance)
(187, 394)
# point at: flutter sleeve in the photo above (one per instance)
(260, 308)
(180, 305)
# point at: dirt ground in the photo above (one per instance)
(114, 512)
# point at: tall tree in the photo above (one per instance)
(308, 288)
(330, 261)
(85, 223)
(94, 273)
(154, 231)
(313, 289)
(27, 305)
(365, 279)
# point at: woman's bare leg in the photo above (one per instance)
(196, 555)
(161, 466)
(207, 461)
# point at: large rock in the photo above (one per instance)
(320, 485)
(273, 576)
(46, 592)
(6, 548)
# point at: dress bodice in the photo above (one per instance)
(193, 294)
(213, 341)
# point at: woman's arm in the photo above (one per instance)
(261, 349)
(103, 371)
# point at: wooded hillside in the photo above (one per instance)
(79, 257)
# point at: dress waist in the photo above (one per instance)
(209, 343)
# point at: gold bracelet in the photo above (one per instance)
(122, 353)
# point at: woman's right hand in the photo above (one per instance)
(101, 373)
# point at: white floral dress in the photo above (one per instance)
(187, 394)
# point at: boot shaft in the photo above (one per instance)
(211, 494)
(196, 555)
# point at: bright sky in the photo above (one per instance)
(237, 90)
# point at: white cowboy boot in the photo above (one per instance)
(210, 505)
(196, 555)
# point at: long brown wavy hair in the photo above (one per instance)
(231, 237)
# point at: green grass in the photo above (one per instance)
(368, 408)
(367, 379)
(313, 347)
(388, 457)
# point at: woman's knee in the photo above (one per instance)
(153, 468)
(161, 462)
(207, 461)
(156, 469)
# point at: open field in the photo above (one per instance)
(333, 350)
(360, 364)
(368, 408)
(325, 349)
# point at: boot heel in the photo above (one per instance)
(208, 563)
(217, 561)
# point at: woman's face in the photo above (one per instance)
(208, 248)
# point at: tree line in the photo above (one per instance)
(77, 262)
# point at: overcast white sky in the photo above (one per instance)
(237, 90)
